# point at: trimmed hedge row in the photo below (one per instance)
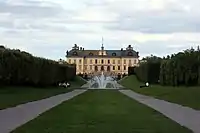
(21, 68)
(131, 70)
(148, 71)
(179, 69)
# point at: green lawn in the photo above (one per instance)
(187, 96)
(12, 96)
(101, 111)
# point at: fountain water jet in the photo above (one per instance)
(102, 82)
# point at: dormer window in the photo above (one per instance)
(90, 54)
(75, 53)
(114, 54)
(130, 54)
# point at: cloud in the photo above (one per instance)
(29, 9)
(30, 15)
(153, 22)
(166, 17)
(48, 28)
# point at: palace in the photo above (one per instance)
(111, 62)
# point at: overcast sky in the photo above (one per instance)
(48, 28)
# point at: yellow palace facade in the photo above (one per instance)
(112, 62)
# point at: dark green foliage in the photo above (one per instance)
(149, 70)
(131, 70)
(21, 68)
(2, 47)
(81, 75)
(181, 69)
(141, 72)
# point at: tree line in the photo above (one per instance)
(182, 68)
(21, 68)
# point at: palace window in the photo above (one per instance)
(96, 68)
(124, 67)
(75, 53)
(102, 61)
(108, 61)
(113, 67)
(90, 54)
(80, 67)
(114, 54)
(113, 61)
(124, 61)
(90, 61)
(108, 68)
(130, 54)
(119, 68)
(96, 61)
(80, 61)
(85, 68)
(135, 61)
(119, 62)
(129, 61)
(74, 61)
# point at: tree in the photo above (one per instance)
(181, 69)
(21, 68)
(149, 71)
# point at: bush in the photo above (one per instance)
(21, 68)
(149, 71)
(181, 69)
(131, 70)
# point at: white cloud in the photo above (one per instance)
(48, 28)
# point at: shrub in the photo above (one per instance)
(21, 68)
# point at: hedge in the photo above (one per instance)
(182, 68)
(21, 68)
(149, 71)
(131, 70)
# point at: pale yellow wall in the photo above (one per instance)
(79, 65)
(92, 64)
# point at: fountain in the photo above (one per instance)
(103, 82)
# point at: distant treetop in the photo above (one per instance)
(2, 47)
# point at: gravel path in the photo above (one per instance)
(12, 118)
(185, 116)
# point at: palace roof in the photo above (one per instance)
(81, 52)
